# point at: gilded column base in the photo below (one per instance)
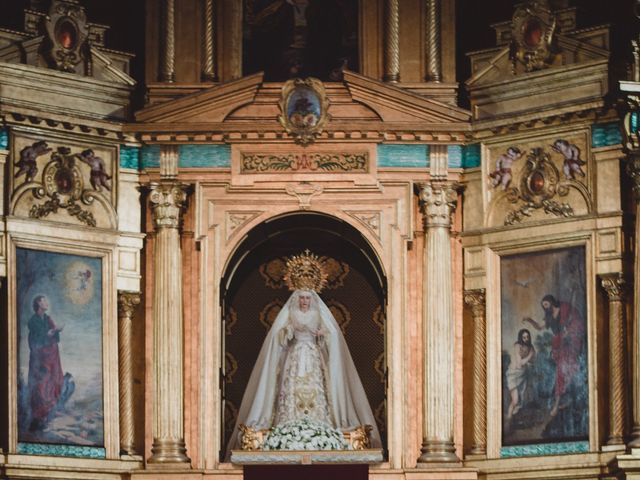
(615, 440)
(169, 451)
(478, 450)
(392, 77)
(435, 451)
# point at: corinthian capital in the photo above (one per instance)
(476, 300)
(438, 201)
(633, 170)
(614, 284)
(127, 302)
(167, 200)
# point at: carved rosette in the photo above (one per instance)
(438, 201)
(614, 285)
(167, 201)
(476, 300)
(127, 302)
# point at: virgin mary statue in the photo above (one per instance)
(304, 369)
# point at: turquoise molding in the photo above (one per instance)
(471, 156)
(150, 156)
(61, 450)
(455, 156)
(189, 156)
(540, 449)
(129, 157)
(605, 134)
(4, 139)
(204, 156)
(400, 155)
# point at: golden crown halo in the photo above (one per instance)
(305, 272)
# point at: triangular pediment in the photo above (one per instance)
(495, 65)
(248, 101)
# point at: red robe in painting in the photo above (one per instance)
(45, 370)
(566, 346)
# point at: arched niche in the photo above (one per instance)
(252, 293)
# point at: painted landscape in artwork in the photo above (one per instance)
(545, 395)
(59, 322)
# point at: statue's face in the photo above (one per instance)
(304, 301)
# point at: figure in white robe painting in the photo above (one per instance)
(304, 378)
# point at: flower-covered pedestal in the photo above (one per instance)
(305, 442)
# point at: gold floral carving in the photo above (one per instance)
(341, 313)
(359, 438)
(250, 438)
(357, 162)
(230, 319)
(269, 313)
(230, 367)
(539, 183)
(380, 367)
(274, 270)
(379, 318)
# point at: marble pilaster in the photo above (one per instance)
(438, 201)
(167, 200)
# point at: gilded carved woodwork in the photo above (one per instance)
(67, 32)
(532, 29)
(304, 108)
(357, 162)
(476, 300)
(614, 285)
(62, 183)
(539, 184)
(127, 303)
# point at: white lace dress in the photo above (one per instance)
(302, 379)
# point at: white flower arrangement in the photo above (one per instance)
(304, 434)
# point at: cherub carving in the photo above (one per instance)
(28, 156)
(502, 174)
(249, 438)
(572, 161)
(99, 177)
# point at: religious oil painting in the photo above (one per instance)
(545, 395)
(300, 38)
(59, 315)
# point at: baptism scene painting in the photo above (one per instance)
(313, 379)
(59, 310)
(545, 395)
(300, 38)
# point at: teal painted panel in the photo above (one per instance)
(61, 450)
(403, 155)
(204, 156)
(4, 139)
(540, 449)
(129, 157)
(605, 134)
(455, 156)
(150, 156)
(472, 156)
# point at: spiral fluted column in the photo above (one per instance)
(613, 284)
(392, 41)
(209, 73)
(434, 44)
(127, 302)
(476, 300)
(438, 200)
(633, 170)
(168, 69)
(167, 200)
